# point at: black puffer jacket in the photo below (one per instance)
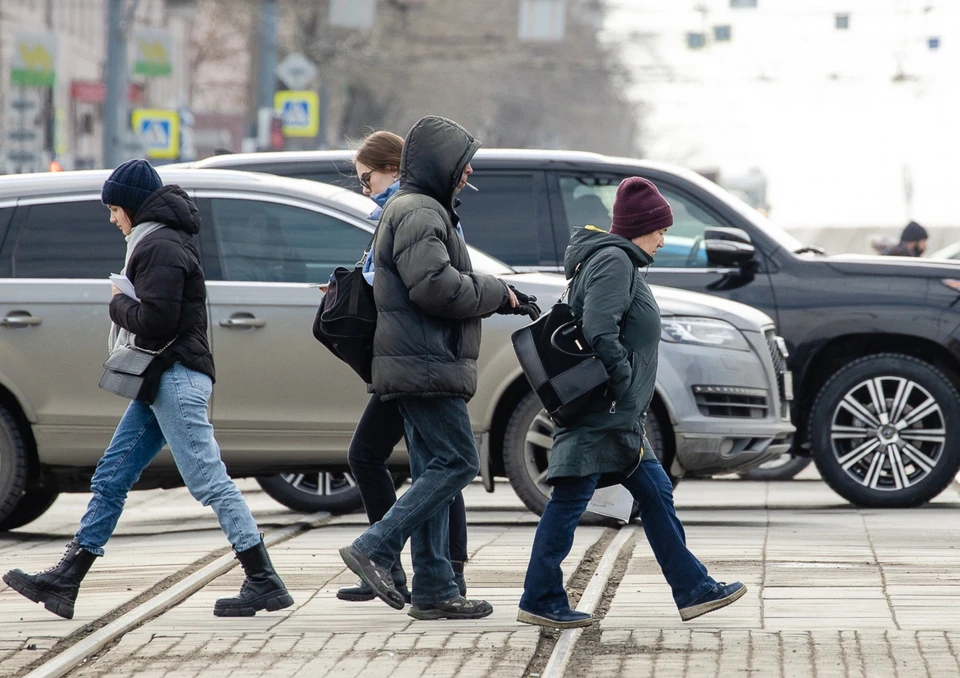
(165, 271)
(429, 300)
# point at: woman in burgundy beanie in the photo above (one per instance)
(639, 209)
(605, 444)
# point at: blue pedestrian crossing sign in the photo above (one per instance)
(158, 131)
(300, 112)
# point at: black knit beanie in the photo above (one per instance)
(130, 184)
(913, 232)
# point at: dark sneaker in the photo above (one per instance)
(721, 596)
(376, 577)
(557, 619)
(455, 608)
(361, 592)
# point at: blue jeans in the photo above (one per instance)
(443, 460)
(543, 587)
(178, 416)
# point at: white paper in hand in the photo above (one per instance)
(124, 285)
(614, 502)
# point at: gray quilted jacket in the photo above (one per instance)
(429, 300)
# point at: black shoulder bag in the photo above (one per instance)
(347, 318)
(560, 365)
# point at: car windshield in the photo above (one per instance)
(757, 218)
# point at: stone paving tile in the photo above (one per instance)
(723, 653)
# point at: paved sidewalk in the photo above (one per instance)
(322, 635)
(833, 590)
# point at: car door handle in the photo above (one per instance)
(20, 319)
(243, 322)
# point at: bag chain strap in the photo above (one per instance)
(147, 350)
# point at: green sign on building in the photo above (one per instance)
(34, 60)
(153, 49)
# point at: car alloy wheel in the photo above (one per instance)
(888, 433)
(323, 484)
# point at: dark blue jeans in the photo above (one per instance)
(379, 430)
(543, 587)
(443, 460)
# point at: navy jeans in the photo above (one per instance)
(178, 416)
(543, 587)
(443, 460)
(379, 430)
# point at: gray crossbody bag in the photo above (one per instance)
(125, 369)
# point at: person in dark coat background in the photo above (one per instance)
(913, 242)
(604, 445)
(429, 306)
(167, 316)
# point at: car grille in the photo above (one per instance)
(781, 369)
(731, 401)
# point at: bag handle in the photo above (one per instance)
(575, 324)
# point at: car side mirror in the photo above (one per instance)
(728, 247)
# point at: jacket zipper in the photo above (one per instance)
(613, 407)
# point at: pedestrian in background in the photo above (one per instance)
(381, 427)
(169, 315)
(429, 303)
(605, 445)
(913, 242)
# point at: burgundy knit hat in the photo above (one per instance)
(639, 209)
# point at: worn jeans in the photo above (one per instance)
(178, 416)
(379, 430)
(443, 460)
(543, 587)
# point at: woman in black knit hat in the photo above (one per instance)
(166, 316)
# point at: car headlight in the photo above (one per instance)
(702, 331)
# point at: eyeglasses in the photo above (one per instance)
(365, 179)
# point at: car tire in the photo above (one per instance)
(784, 467)
(526, 445)
(31, 506)
(858, 439)
(315, 491)
(14, 464)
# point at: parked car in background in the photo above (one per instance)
(874, 341)
(284, 408)
(948, 252)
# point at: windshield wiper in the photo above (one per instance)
(810, 250)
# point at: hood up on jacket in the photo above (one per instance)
(589, 239)
(435, 153)
(172, 207)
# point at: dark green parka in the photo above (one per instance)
(621, 320)
(429, 300)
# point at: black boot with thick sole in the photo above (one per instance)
(261, 590)
(56, 588)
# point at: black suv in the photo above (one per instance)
(874, 342)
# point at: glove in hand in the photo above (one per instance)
(527, 305)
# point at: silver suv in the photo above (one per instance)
(284, 409)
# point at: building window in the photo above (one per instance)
(842, 22)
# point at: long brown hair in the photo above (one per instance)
(381, 151)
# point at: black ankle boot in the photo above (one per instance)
(57, 587)
(261, 590)
(458, 577)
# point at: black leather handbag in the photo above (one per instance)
(558, 362)
(347, 319)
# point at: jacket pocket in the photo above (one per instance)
(455, 341)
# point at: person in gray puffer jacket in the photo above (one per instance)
(429, 307)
